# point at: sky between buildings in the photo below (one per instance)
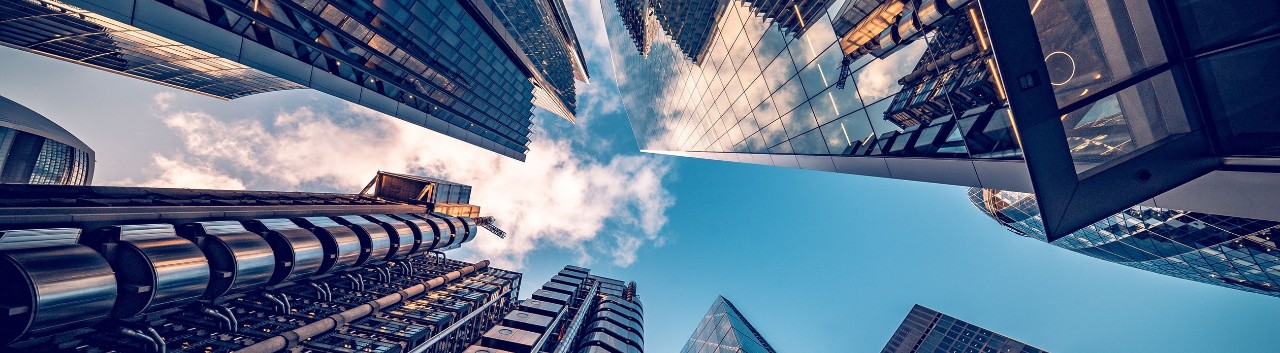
(819, 262)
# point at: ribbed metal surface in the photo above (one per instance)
(379, 244)
(239, 259)
(155, 268)
(299, 253)
(52, 288)
(343, 247)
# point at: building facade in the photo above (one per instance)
(186, 270)
(460, 67)
(35, 150)
(1232, 252)
(928, 331)
(724, 329)
(573, 312)
(1114, 105)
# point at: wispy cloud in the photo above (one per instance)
(558, 197)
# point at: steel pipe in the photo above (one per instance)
(289, 339)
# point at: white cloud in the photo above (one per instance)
(558, 197)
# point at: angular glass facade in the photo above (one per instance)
(543, 30)
(452, 66)
(59, 30)
(724, 329)
(1232, 252)
(1093, 106)
(35, 150)
(928, 331)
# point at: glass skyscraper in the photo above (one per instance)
(928, 331)
(1233, 252)
(469, 69)
(1092, 106)
(35, 150)
(724, 330)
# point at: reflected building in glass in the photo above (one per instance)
(724, 329)
(1233, 252)
(35, 150)
(470, 69)
(928, 331)
(1058, 100)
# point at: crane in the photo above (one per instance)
(489, 223)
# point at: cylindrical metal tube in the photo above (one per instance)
(379, 242)
(342, 246)
(51, 287)
(238, 259)
(155, 269)
(299, 253)
(430, 233)
(405, 238)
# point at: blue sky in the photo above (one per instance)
(819, 262)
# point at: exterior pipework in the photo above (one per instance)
(291, 338)
(343, 247)
(405, 238)
(238, 259)
(447, 230)
(379, 244)
(155, 268)
(55, 284)
(430, 231)
(299, 253)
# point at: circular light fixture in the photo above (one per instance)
(504, 331)
(1060, 62)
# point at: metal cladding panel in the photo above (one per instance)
(822, 163)
(617, 331)
(605, 340)
(621, 320)
(238, 259)
(428, 233)
(1003, 175)
(62, 286)
(342, 246)
(299, 252)
(549, 296)
(165, 21)
(379, 242)
(273, 62)
(560, 287)
(510, 338)
(541, 307)
(628, 304)
(580, 276)
(528, 321)
(560, 278)
(155, 268)
(621, 310)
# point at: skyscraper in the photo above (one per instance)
(181, 270)
(35, 150)
(724, 329)
(573, 312)
(928, 331)
(1233, 252)
(470, 69)
(1114, 105)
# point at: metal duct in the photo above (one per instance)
(54, 284)
(379, 240)
(343, 248)
(430, 231)
(405, 238)
(238, 259)
(155, 269)
(299, 253)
